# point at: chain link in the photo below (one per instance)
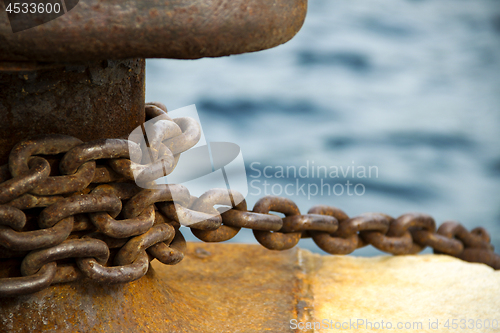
(93, 219)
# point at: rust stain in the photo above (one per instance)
(95, 30)
(217, 288)
(104, 99)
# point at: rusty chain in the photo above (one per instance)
(71, 210)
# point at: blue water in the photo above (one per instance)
(409, 87)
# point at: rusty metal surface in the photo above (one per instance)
(103, 99)
(137, 225)
(186, 29)
(245, 288)
(214, 290)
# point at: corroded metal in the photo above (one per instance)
(277, 240)
(100, 99)
(36, 239)
(213, 290)
(245, 288)
(252, 220)
(39, 170)
(76, 230)
(106, 224)
(206, 202)
(187, 29)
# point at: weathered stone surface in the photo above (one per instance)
(403, 289)
(246, 288)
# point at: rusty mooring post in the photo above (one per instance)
(83, 74)
(58, 77)
(93, 100)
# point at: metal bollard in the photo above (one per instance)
(83, 74)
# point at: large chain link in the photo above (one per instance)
(71, 210)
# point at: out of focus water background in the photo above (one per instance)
(411, 87)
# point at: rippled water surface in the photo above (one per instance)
(409, 88)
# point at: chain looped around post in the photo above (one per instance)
(92, 219)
